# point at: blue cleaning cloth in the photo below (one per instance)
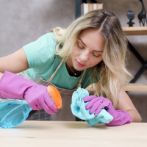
(78, 109)
(13, 113)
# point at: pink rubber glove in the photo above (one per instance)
(96, 104)
(14, 86)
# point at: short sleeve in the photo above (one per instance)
(40, 51)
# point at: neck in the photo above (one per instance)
(72, 71)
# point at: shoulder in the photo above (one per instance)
(41, 50)
(47, 40)
(49, 37)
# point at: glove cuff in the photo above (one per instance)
(120, 118)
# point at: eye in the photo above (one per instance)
(96, 54)
(80, 44)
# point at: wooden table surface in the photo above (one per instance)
(73, 134)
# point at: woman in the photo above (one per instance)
(92, 50)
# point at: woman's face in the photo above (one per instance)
(87, 51)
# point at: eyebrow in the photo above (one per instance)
(86, 45)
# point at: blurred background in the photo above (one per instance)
(23, 21)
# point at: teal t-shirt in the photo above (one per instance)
(43, 61)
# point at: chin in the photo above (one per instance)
(79, 69)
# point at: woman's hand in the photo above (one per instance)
(17, 87)
(96, 104)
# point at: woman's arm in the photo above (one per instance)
(126, 104)
(15, 62)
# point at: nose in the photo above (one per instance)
(84, 56)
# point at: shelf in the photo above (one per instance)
(136, 87)
(135, 30)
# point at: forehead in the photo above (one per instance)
(92, 38)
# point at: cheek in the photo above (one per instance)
(94, 62)
(73, 54)
(74, 51)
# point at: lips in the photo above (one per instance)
(80, 64)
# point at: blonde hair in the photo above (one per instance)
(112, 70)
